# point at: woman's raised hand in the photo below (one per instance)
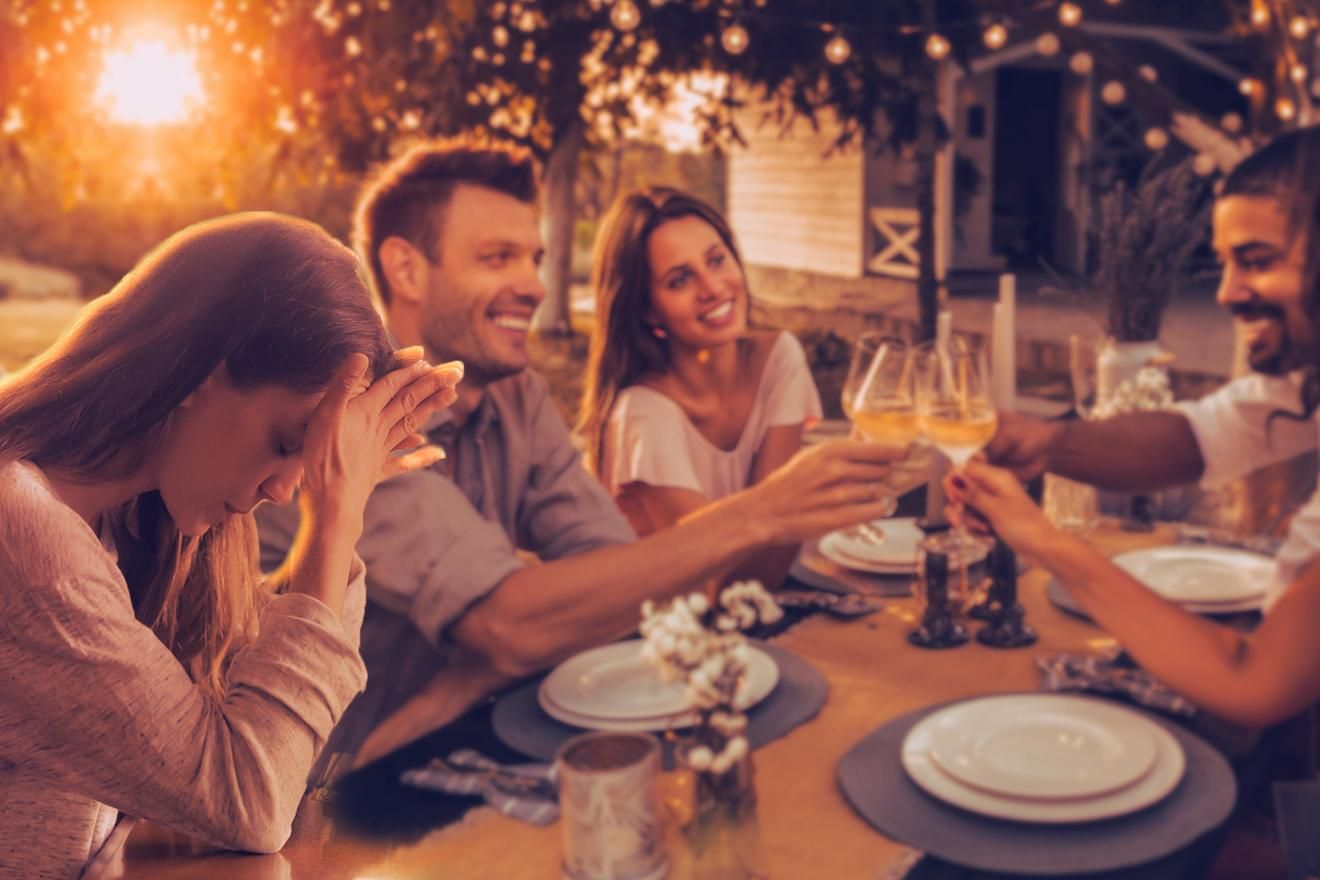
(357, 428)
(986, 498)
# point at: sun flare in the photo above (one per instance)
(149, 83)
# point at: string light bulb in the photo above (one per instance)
(1157, 139)
(1248, 86)
(1048, 44)
(1260, 15)
(1070, 14)
(995, 36)
(625, 15)
(838, 49)
(1231, 123)
(1113, 93)
(1081, 63)
(735, 39)
(1299, 27)
(1299, 73)
(1285, 109)
(1204, 165)
(1148, 73)
(937, 46)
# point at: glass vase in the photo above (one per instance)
(721, 833)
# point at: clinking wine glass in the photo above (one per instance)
(957, 415)
(879, 397)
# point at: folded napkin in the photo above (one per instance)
(527, 792)
(1110, 673)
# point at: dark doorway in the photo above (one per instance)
(1028, 104)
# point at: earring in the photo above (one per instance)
(658, 332)
(703, 355)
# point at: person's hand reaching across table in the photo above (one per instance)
(1022, 444)
(990, 500)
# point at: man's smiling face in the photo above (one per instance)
(1263, 282)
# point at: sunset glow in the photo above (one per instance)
(149, 83)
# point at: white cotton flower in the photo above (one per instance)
(721, 763)
(698, 603)
(735, 749)
(725, 623)
(746, 617)
(728, 723)
(648, 609)
(699, 758)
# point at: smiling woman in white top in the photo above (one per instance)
(148, 671)
(684, 404)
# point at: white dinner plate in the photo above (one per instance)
(895, 554)
(657, 724)
(1164, 775)
(1201, 576)
(1059, 595)
(615, 683)
(1042, 746)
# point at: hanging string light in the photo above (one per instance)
(938, 47)
(1299, 27)
(995, 36)
(1113, 93)
(1081, 63)
(1231, 123)
(1260, 15)
(625, 15)
(735, 39)
(1048, 44)
(838, 49)
(1204, 165)
(1285, 109)
(1249, 86)
(1299, 73)
(1148, 73)
(1070, 14)
(1157, 139)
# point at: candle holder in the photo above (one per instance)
(939, 620)
(1006, 625)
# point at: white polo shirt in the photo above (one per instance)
(1235, 436)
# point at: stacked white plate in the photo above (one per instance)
(615, 688)
(886, 546)
(1043, 758)
(1206, 580)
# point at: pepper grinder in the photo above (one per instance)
(939, 625)
(1007, 626)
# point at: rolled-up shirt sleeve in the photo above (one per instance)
(1237, 431)
(564, 509)
(429, 554)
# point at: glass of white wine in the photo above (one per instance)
(956, 413)
(879, 397)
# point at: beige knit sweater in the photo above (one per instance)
(97, 717)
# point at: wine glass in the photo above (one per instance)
(957, 414)
(879, 399)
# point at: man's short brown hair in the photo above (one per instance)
(408, 196)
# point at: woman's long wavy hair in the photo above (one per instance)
(623, 348)
(271, 299)
(1288, 169)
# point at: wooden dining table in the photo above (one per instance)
(808, 829)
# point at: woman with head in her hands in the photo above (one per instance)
(684, 404)
(148, 670)
(1266, 220)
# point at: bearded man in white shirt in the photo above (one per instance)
(1263, 237)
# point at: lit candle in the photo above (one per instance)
(1003, 363)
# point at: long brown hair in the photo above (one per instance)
(274, 300)
(623, 348)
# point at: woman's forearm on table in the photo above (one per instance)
(1212, 665)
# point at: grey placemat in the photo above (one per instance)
(521, 724)
(873, 780)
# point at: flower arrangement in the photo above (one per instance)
(1149, 390)
(701, 643)
(1144, 239)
